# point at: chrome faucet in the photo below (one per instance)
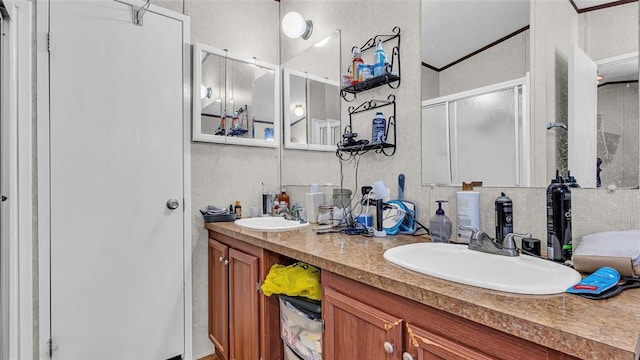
(480, 241)
(291, 215)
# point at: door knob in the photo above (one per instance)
(173, 204)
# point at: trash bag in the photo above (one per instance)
(298, 279)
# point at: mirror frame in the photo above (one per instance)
(287, 114)
(197, 134)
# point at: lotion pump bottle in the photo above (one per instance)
(468, 210)
(440, 225)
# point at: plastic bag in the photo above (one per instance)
(298, 279)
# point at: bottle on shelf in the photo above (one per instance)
(355, 65)
(380, 58)
(378, 128)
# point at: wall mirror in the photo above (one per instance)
(607, 33)
(311, 94)
(475, 115)
(595, 132)
(239, 99)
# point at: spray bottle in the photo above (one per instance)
(504, 217)
(557, 222)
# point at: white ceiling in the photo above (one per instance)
(452, 29)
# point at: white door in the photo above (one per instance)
(116, 158)
(583, 119)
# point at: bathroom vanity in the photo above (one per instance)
(373, 309)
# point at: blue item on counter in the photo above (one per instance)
(601, 280)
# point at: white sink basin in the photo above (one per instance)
(270, 224)
(520, 274)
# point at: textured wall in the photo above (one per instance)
(222, 174)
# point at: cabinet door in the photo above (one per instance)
(354, 330)
(243, 305)
(219, 297)
(425, 345)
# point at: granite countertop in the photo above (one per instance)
(590, 329)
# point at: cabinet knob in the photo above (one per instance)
(221, 259)
(407, 356)
(388, 347)
(226, 262)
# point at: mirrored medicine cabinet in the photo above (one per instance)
(239, 99)
(311, 94)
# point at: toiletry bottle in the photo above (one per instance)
(379, 60)
(567, 242)
(355, 65)
(238, 210)
(378, 127)
(504, 217)
(555, 190)
(468, 211)
(283, 197)
(265, 203)
(440, 225)
(235, 121)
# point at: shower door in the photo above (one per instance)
(481, 134)
(116, 162)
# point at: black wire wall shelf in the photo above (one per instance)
(351, 146)
(391, 74)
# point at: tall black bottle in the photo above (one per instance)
(567, 243)
(504, 217)
(555, 229)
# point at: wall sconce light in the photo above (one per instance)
(295, 26)
(298, 110)
(205, 92)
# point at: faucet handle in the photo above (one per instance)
(509, 242)
(474, 231)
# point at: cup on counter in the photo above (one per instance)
(253, 211)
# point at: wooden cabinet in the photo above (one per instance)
(359, 331)
(243, 323)
(425, 345)
(362, 322)
(219, 297)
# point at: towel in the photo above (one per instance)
(612, 243)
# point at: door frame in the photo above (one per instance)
(16, 146)
(44, 180)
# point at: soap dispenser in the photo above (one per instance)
(440, 225)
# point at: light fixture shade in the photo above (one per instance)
(294, 26)
(205, 92)
(298, 110)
